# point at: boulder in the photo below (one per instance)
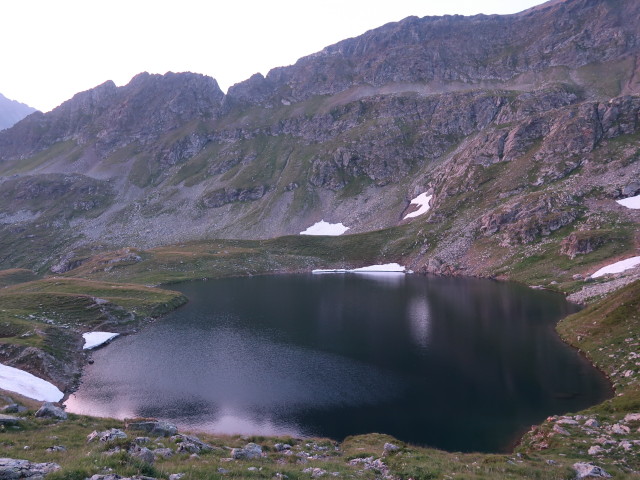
(49, 410)
(191, 444)
(142, 453)
(584, 470)
(250, 450)
(14, 408)
(107, 435)
(8, 419)
(56, 448)
(12, 469)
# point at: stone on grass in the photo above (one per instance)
(163, 452)
(595, 450)
(14, 408)
(13, 469)
(106, 436)
(176, 476)
(620, 429)
(142, 453)
(49, 410)
(250, 450)
(56, 448)
(390, 447)
(584, 470)
(592, 422)
(560, 430)
(9, 419)
(632, 417)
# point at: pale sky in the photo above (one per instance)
(52, 49)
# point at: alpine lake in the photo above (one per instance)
(454, 363)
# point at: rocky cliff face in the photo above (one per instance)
(524, 128)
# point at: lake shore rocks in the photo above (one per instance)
(49, 410)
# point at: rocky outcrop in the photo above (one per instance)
(224, 196)
(12, 469)
(582, 242)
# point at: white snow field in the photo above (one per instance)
(630, 202)
(19, 381)
(617, 267)
(325, 228)
(422, 201)
(95, 339)
(385, 268)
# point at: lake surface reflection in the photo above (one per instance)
(458, 364)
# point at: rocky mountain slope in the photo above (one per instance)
(524, 128)
(12, 112)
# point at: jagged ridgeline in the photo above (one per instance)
(524, 128)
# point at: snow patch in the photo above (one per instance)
(630, 202)
(95, 339)
(422, 201)
(325, 228)
(385, 268)
(19, 381)
(617, 267)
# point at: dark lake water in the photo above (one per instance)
(457, 364)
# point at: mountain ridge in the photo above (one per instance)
(172, 158)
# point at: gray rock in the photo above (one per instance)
(14, 408)
(630, 190)
(595, 450)
(142, 453)
(142, 440)
(390, 447)
(163, 452)
(222, 470)
(632, 417)
(113, 476)
(106, 436)
(49, 410)
(584, 470)
(560, 430)
(281, 447)
(157, 428)
(620, 429)
(191, 443)
(12, 469)
(56, 448)
(592, 422)
(9, 419)
(176, 476)
(250, 450)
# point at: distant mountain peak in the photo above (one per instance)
(12, 111)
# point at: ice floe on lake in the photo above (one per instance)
(95, 339)
(617, 267)
(24, 383)
(422, 201)
(630, 202)
(325, 228)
